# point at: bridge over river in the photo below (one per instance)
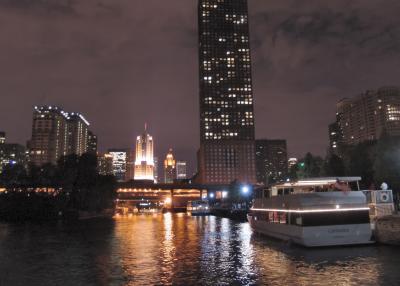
(136, 194)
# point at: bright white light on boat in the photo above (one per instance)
(224, 194)
(245, 189)
(211, 195)
(337, 207)
(312, 211)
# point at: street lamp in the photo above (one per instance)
(245, 190)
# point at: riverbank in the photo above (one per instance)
(30, 206)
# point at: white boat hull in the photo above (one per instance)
(315, 236)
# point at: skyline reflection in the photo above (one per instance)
(176, 249)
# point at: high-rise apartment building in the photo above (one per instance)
(181, 170)
(119, 163)
(368, 116)
(144, 162)
(226, 94)
(78, 132)
(56, 133)
(271, 160)
(49, 135)
(169, 168)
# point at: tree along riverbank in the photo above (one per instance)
(73, 189)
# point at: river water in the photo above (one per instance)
(176, 249)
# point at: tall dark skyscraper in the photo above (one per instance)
(226, 95)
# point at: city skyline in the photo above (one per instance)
(286, 38)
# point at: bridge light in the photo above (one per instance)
(168, 201)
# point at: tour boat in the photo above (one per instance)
(198, 208)
(313, 212)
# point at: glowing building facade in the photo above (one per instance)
(144, 162)
(169, 168)
(227, 150)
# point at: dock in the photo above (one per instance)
(387, 229)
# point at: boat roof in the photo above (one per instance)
(318, 182)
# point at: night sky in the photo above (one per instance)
(126, 62)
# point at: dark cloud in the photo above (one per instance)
(126, 62)
(309, 54)
(48, 6)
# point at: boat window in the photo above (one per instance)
(267, 193)
(288, 191)
(283, 217)
(295, 219)
(280, 192)
(335, 218)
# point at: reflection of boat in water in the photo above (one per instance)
(312, 213)
(198, 208)
(149, 207)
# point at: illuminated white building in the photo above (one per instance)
(144, 162)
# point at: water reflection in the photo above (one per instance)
(175, 249)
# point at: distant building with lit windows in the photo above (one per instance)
(367, 117)
(271, 161)
(11, 154)
(156, 170)
(92, 143)
(78, 132)
(144, 163)
(169, 168)
(119, 163)
(105, 164)
(49, 139)
(2, 137)
(227, 150)
(181, 170)
(56, 133)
